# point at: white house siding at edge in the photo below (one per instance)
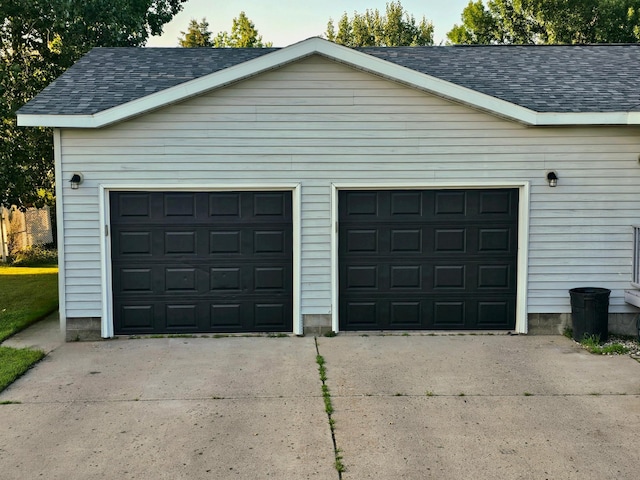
(317, 122)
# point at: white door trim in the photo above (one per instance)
(105, 243)
(523, 234)
(60, 199)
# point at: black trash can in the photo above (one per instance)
(590, 312)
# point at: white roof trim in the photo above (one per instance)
(338, 53)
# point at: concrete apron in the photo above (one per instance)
(404, 407)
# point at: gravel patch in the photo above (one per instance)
(631, 343)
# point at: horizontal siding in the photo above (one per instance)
(318, 122)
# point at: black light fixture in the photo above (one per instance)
(76, 180)
(552, 178)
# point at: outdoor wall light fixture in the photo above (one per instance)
(552, 178)
(76, 180)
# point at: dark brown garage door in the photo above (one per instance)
(433, 259)
(188, 262)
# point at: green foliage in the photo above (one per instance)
(28, 294)
(593, 345)
(339, 465)
(371, 29)
(244, 34)
(39, 40)
(590, 341)
(548, 22)
(35, 256)
(15, 362)
(197, 35)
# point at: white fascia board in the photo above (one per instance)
(337, 53)
(588, 118)
(634, 118)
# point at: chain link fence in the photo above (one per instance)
(19, 230)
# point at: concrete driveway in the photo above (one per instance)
(441, 407)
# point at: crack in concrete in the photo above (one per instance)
(339, 466)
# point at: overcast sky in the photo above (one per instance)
(284, 22)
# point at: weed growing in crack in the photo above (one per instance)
(339, 465)
(328, 408)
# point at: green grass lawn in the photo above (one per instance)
(26, 295)
(14, 362)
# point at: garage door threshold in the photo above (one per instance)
(427, 333)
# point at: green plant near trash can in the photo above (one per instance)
(593, 345)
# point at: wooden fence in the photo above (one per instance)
(19, 229)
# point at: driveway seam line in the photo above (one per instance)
(328, 407)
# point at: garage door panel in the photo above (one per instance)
(134, 280)
(406, 203)
(138, 317)
(495, 240)
(180, 205)
(268, 316)
(449, 314)
(358, 240)
(202, 262)
(496, 277)
(449, 203)
(362, 277)
(450, 240)
(361, 203)
(134, 205)
(183, 243)
(446, 277)
(494, 314)
(405, 277)
(225, 317)
(360, 314)
(225, 279)
(268, 204)
(406, 240)
(180, 280)
(431, 271)
(181, 316)
(495, 202)
(224, 205)
(224, 242)
(406, 315)
(269, 241)
(134, 243)
(268, 279)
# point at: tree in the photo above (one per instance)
(549, 21)
(39, 40)
(243, 35)
(197, 35)
(371, 29)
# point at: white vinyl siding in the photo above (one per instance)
(316, 122)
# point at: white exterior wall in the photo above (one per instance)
(318, 122)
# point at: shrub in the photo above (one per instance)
(36, 255)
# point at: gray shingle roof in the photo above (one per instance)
(543, 78)
(108, 77)
(563, 79)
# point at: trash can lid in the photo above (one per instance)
(590, 291)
